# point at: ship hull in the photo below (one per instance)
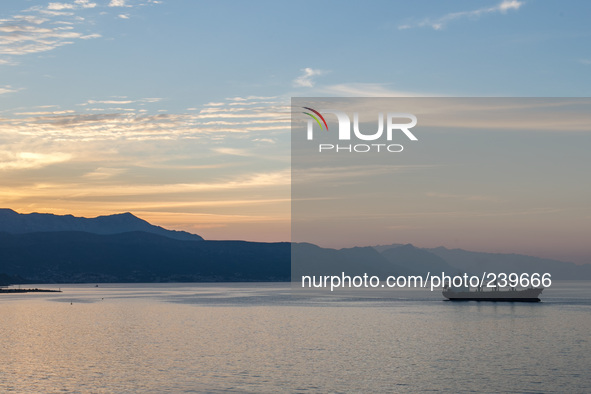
(527, 295)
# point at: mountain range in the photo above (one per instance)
(399, 259)
(19, 223)
(47, 248)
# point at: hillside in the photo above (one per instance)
(18, 223)
(74, 257)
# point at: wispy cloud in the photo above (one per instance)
(78, 190)
(124, 118)
(440, 22)
(7, 89)
(38, 113)
(7, 62)
(234, 151)
(351, 173)
(102, 173)
(369, 90)
(119, 100)
(463, 197)
(41, 29)
(23, 160)
(45, 28)
(71, 6)
(306, 80)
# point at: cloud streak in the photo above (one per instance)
(369, 90)
(440, 22)
(123, 118)
(26, 160)
(7, 89)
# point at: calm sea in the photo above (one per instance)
(178, 338)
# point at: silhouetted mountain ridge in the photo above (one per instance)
(478, 262)
(46, 248)
(417, 261)
(19, 223)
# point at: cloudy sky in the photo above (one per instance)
(178, 111)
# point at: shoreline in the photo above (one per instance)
(29, 291)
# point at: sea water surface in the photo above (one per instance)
(262, 337)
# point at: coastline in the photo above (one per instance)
(35, 290)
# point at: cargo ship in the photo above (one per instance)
(510, 295)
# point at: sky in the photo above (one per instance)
(178, 111)
(486, 174)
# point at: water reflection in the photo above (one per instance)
(262, 338)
